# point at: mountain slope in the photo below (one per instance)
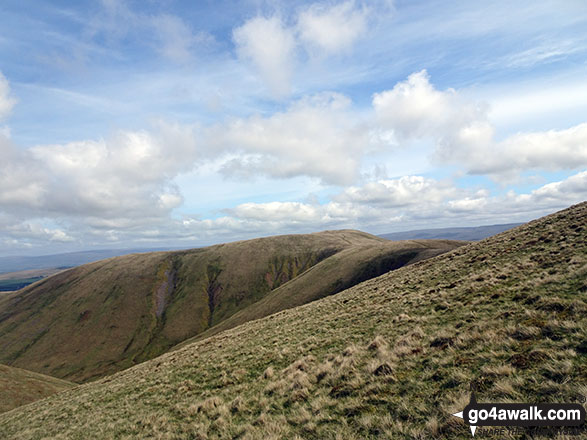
(19, 387)
(335, 274)
(392, 357)
(102, 317)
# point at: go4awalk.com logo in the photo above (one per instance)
(521, 414)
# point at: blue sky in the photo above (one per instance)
(183, 123)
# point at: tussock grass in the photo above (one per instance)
(348, 367)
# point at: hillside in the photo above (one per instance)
(332, 275)
(392, 357)
(19, 387)
(105, 316)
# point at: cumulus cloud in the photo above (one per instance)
(415, 200)
(555, 194)
(127, 176)
(278, 211)
(549, 150)
(270, 45)
(331, 28)
(318, 136)
(275, 45)
(122, 187)
(407, 190)
(463, 134)
(7, 102)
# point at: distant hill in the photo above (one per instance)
(19, 387)
(468, 233)
(105, 316)
(11, 281)
(66, 260)
(392, 357)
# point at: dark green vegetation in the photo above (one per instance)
(102, 317)
(392, 357)
(19, 387)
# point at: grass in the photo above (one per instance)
(103, 317)
(392, 357)
(19, 387)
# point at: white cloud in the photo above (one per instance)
(414, 108)
(35, 231)
(548, 150)
(270, 45)
(278, 211)
(555, 194)
(331, 28)
(127, 176)
(415, 200)
(463, 134)
(7, 102)
(317, 136)
(405, 191)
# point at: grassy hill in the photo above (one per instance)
(19, 387)
(392, 357)
(105, 316)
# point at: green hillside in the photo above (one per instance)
(19, 387)
(392, 357)
(102, 317)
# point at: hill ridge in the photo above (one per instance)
(392, 357)
(105, 316)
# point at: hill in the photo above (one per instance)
(335, 274)
(392, 357)
(475, 233)
(19, 387)
(105, 316)
(12, 281)
(61, 261)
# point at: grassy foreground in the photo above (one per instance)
(389, 358)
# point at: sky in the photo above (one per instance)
(177, 123)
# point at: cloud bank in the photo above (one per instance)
(122, 188)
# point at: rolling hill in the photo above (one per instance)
(392, 357)
(102, 317)
(19, 387)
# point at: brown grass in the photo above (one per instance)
(514, 336)
(103, 317)
(19, 387)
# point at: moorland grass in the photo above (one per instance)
(392, 357)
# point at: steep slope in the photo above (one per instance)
(392, 357)
(19, 387)
(335, 274)
(105, 316)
